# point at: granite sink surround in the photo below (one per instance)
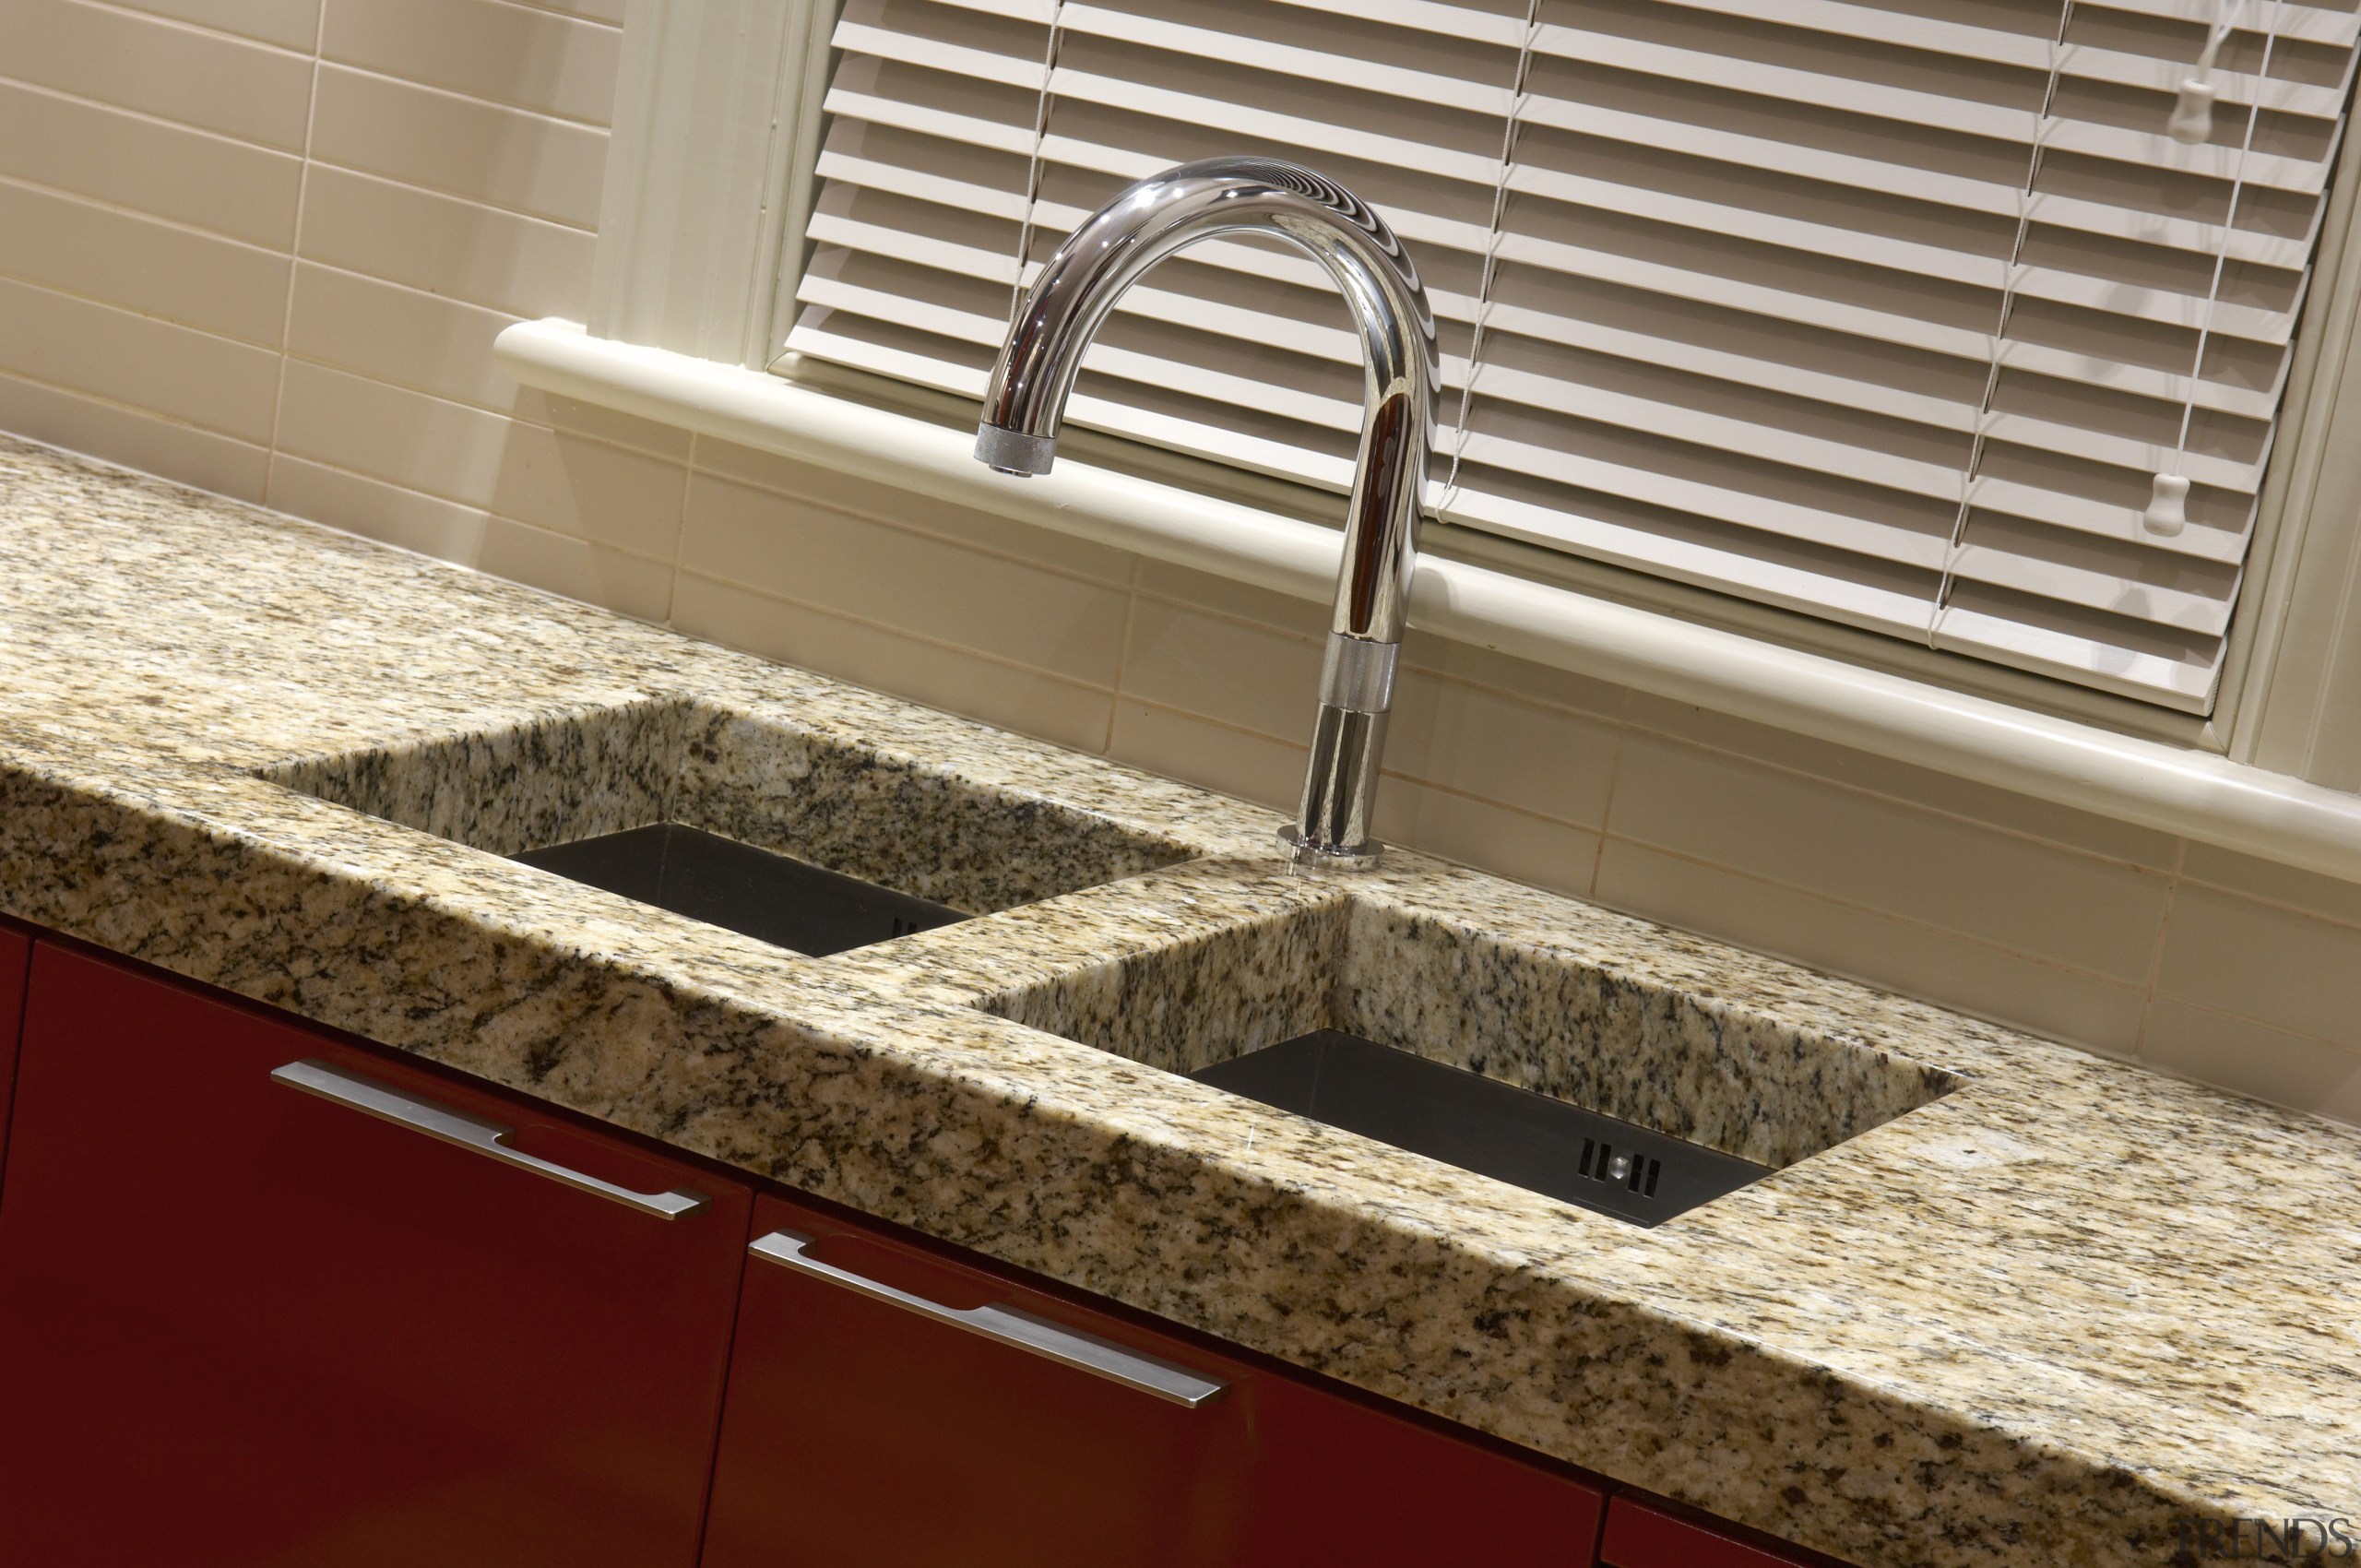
(2001, 1303)
(825, 799)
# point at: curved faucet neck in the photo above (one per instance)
(1078, 287)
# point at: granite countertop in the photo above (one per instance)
(2037, 1318)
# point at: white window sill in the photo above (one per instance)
(2189, 793)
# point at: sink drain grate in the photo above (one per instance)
(1601, 1163)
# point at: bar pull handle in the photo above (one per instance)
(1009, 1327)
(317, 1077)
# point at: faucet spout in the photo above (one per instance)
(1072, 297)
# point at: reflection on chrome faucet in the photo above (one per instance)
(1060, 313)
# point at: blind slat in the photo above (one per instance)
(1740, 326)
(1640, 130)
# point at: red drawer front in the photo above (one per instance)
(860, 1433)
(243, 1325)
(15, 954)
(1640, 1535)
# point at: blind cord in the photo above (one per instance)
(1491, 251)
(2167, 511)
(2042, 124)
(2192, 118)
(1033, 168)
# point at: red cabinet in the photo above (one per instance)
(266, 1299)
(15, 954)
(892, 1409)
(1644, 1535)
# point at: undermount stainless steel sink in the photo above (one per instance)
(1516, 1060)
(796, 837)
(1481, 1124)
(1520, 1061)
(758, 893)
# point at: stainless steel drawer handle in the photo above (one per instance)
(1010, 1327)
(455, 1127)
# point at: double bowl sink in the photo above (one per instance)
(1514, 1058)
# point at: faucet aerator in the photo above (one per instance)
(1012, 452)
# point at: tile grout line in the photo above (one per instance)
(681, 533)
(295, 250)
(546, 117)
(203, 29)
(2323, 1041)
(447, 193)
(1606, 807)
(156, 416)
(170, 323)
(1122, 655)
(2156, 958)
(147, 116)
(2280, 906)
(138, 214)
(561, 13)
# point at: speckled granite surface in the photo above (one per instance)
(2033, 1320)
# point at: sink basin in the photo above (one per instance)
(795, 836)
(1521, 1062)
(771, 898)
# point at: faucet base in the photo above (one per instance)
(1303, 853)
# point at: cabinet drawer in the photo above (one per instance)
(247, 1320)
(892, 1409)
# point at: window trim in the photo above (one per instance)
(699, 252)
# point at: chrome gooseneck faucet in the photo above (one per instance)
(1060, 313)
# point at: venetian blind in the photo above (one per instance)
(1888, 313)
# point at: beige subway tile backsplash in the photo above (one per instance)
(152, 169)
(415, 339)
(211, 182)
(194, 75)
(1071, 627)
(134, 438)
(290, 24)
(953, 678)
(879, 500)
(565, 484)
(1210, 756)
(560, 563)
(1875, 853)
(1481, 743)
(2017, 988)
(1474, 666)
(105, 352)
(139, 264)
(494, 50)
(2270, 883)
(463, 147)
(2254, 1059)
(1485, 833)
(1925, 787)
(2274, 965)
(446, 245)
(572, 418)
(1239, 673)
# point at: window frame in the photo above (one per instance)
(709, 184)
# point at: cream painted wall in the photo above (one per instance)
(265, 249)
